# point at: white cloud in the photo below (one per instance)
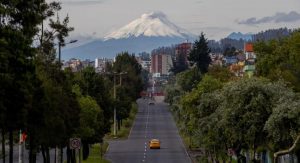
(277, 18)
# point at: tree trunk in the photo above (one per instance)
(190, 138)
(55, 154)
(68, 154)
(32, 150)
(85, 151)
(73, 156)
(47, 155)
(61, 154)
(101, 148)
(44, 155)
(216, 155)
(283, 152)
(210, 157)
(119, 125)
(254, 158)
(3, 145)
(11, 147)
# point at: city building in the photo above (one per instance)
(161, 63)
(87, 63)
(144, 62)
(101, 64)
(74, 64)
(181, 53)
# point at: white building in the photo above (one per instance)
(100, 64)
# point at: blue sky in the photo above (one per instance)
(216, 18)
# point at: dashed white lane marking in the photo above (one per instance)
(146, 130)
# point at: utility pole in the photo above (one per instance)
(115, 97)
(115, 110)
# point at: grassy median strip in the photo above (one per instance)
(96, 154)
(124, 131)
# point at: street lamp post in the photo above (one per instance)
(60, 44)
(59, 49)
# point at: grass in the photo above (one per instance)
(95, 154)
(124, 131)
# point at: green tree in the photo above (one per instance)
(180, 64)
(188, 79)
(283, 126)
(57, 103)
(229, 51)
(280, 59)
(199, 55)
(130, 83)
(19, 22)
(96, 86)
(91, 121)
(221, 73)
(246, 107)
(189, 109)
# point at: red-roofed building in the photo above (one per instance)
(249, 68)
(248, 47)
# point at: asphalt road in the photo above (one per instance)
(152, 121)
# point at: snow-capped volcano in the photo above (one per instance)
(154, 24)
(144, 34)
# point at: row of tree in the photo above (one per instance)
(49, 104)
(225, 115)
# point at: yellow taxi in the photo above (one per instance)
(154, 144)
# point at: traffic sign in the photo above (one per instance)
(75, 143)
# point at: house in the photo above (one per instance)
(249, 68)
(229, 60)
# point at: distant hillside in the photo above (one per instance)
(272, 34)
(238, 39)
(239, 35)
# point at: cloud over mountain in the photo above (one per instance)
(277, 18)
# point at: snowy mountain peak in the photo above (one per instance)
(239, 35)
(154, 24)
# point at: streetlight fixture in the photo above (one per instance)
(60, 44)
